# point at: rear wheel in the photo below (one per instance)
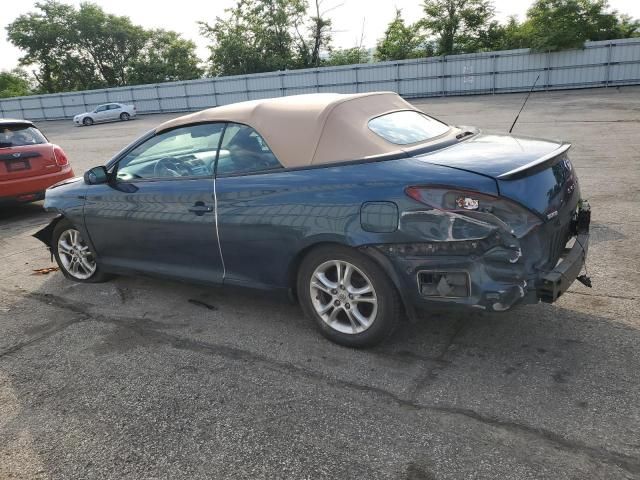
(350, 298)
(124, 116)
(74, 256)
(87, 121)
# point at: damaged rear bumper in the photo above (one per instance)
(493, 274)
(553, 284)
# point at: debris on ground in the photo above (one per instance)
(45, 271)
(200, 303)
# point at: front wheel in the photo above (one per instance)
(87, 121)
(74, 257)
(350, 298)
(124, 116)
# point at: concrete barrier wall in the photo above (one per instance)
(598, 64)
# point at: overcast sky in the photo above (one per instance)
(350, 17)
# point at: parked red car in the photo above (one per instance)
(29, 164)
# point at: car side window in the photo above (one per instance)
(101, 108)
(243, 150)
(186, 152)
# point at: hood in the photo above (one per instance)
(65, 182)
(493, 155)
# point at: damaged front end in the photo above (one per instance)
(485, 251)
(45, 235)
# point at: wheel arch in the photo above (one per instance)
(45, 235)
(378, 259)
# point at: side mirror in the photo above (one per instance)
(96, 176)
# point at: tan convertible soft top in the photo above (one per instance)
(311, 129)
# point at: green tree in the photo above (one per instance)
(402, 41)
(509, 36)
(85, 48)
(457, 25)
(257, 36)
(14, 83)
(166, 57)
(348, 56)
(562, 24)
(45, 36)
(108, 41)
(317, 41)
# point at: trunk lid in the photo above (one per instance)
(535, 173)
(27, 161)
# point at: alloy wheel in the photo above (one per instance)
(75, 255)
(343, 296)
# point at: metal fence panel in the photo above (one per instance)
(625, 74)
(47, 101)
(296, 79)
(124, 95)
(149, 92)
(598, 64)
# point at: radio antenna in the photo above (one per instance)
(525, 102)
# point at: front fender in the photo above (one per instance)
(45, 235)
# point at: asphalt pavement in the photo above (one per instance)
(152, 379)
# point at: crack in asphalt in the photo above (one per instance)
(149, 329)
(423, 380)
(55, 328)
(603, 295)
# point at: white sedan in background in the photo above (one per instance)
(106, 113)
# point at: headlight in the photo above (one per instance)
(495, 210)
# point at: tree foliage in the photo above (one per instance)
(267, 35)
(83, 48)
(402, 41)
(457, 25)
(166, 57)
(14, 83)
(347, 56)
(257, 36)
(76, 48)
(562, 24)
(317, 40)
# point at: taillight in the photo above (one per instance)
(60, 156)
(479, 206)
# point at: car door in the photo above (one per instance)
(100, 114)
(156, 214)
(249, 192)
(114, 111)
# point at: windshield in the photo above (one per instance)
(19, 136)
(406, 127)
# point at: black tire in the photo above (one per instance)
(124, 116)
(389, 306)
(61, 227)
(87, 121)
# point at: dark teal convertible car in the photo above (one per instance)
(361, 207)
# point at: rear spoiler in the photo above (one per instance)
(535, 166)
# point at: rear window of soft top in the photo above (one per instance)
(20, 135)
(407, 127)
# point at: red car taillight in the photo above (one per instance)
(517, 219)
(60, 156)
